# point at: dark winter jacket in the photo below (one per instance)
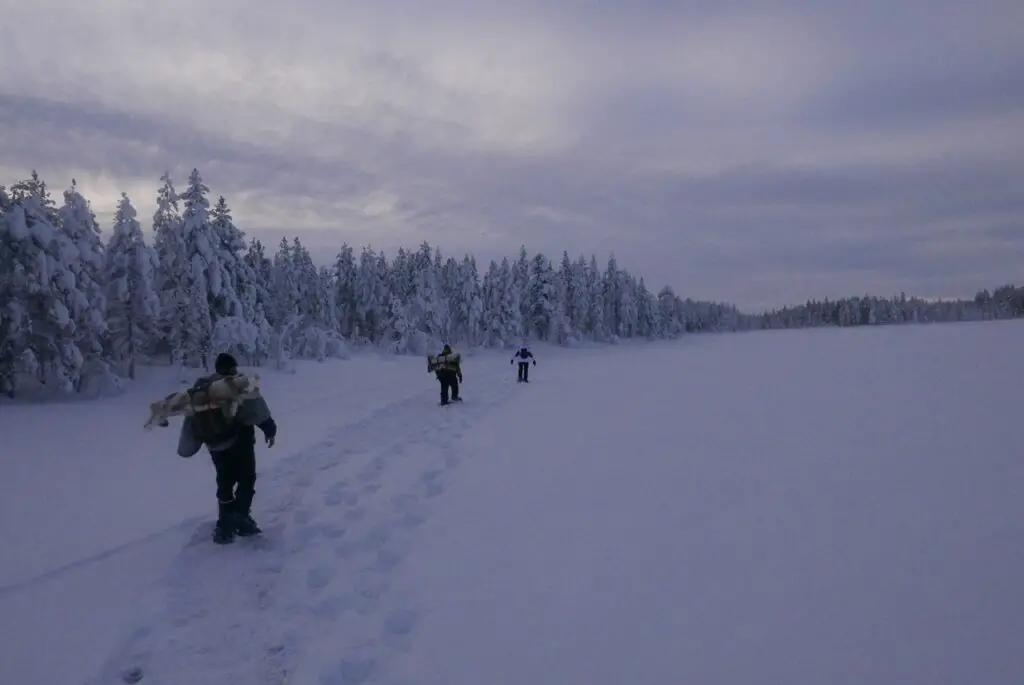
(523, 355)
(252, 413)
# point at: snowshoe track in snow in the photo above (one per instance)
(310, 600)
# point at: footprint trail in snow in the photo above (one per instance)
(311, 601)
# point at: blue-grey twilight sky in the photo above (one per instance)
(759, 152)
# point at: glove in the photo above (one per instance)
(269, 429)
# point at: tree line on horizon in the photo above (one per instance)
(82, 310)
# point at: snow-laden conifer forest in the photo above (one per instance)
(83, 305)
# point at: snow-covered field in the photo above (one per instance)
(826, 506)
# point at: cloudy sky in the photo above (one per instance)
(755, 152)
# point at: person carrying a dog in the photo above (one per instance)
(230, 438)
(448, 368)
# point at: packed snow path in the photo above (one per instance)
(343, 517)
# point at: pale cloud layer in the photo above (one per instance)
(761, 154)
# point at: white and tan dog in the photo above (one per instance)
(435, 362)
(227, 393)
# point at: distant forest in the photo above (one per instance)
(82, 308)
(1005, 302)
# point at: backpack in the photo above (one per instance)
(210, 423)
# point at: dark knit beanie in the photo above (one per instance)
(226, 365)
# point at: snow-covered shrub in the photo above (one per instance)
(99, 379)
(319, 343)
(238, 337)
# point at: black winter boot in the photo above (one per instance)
(224, 531)
(245, 526)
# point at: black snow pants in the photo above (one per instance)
(449, 383)
(236, 475)
(524, 372)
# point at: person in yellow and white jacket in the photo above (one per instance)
(447, 366)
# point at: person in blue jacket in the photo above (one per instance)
(524, 355)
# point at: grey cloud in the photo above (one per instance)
(895, 102)
(131, 146)
(903, 191)
(1008, 230)
(759, 201)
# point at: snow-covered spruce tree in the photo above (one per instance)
(256, 298)
(399, 277)
(596, 309)
(304, 305)
(285, 287)
(611, 294)
(426, 307)
(170, 282)
(35, 187)
(13, 317)
(627, 305)
(191, 277)
(320, 338)
(669, 313)
(451, 295)
(346, 285)
(209, 254)
(201, 266)
(398, 328)
(521, 285)
(239, 323)
(578, 296)
(372, 296)
(229, 249)
(490, 323)
(37, 331)
(542, 296)
(646, 312)
(470, 302)
(285, 303)
(397, 323)
(560, 330)
(193, 285)
(318, 292)
(87, 305)
(413, 318)
(133, 307)
(262, 269)
(568, 286)
(511, 304)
